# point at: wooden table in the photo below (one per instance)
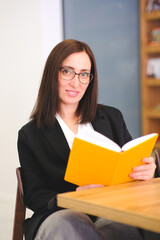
(135, 203)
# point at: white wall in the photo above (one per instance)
(28, 32)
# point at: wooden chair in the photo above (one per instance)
(20, 209)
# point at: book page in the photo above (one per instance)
(97, 138)
(137, 141)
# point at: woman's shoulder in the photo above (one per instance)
(103, 110)
(29, 125)
(29, 129)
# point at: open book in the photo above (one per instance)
(95, 159)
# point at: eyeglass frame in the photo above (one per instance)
(79, 74)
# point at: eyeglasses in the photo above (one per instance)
(68, 74)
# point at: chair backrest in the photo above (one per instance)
(20, 209)
(157, 161)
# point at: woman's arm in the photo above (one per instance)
(38, 196)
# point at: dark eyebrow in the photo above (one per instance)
(82, 70)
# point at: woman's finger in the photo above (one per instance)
(80, 188)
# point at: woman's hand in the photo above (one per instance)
(145, 171)
(142, 172)
(89, 187)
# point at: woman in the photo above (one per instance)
(66, 105)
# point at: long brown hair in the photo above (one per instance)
(47, 103)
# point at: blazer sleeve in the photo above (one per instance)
(38, 196)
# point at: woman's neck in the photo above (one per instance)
(70, 118)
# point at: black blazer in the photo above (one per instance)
(43, 155)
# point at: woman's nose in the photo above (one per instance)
(75, 81)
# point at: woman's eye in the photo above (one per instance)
(66, 72)
(84, 74)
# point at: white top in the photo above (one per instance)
(68, 133)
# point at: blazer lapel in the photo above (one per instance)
(102, 125)
(56, 139)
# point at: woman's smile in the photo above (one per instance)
(72, 93)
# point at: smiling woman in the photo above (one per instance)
(67, 105)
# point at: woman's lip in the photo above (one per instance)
(72, 93)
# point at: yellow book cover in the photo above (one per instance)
(95, 159)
